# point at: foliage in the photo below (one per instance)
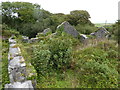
(4, 26)
(5, 77)
(24, 11)
(94, 67)
(55, 20)
(59, 59)
(21, 15)
(26, 52)
(60, 52)
(9, 33)
(114, 30)
(59, 64)
(60, 30)
(85, 29)
(79, 17)
(31, 30)
(97, 66)
(54, 53)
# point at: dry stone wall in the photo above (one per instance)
(17, 68)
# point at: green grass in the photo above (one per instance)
(26, 52)
(5, 77)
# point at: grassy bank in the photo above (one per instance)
(5, 76)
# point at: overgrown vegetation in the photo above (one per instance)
(5, 77)
(97, 66)
(52, 53)
(60, 60)
(26, 52)
(91, 67)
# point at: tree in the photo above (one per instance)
(25, 17)
(15, 14)
(78, 17)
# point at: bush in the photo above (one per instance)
(60, 49)
(40, 61)
(85, 29)
(52, 53)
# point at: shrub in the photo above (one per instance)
(85, 29)
(52, 53)
(40, 61)
(60, 49)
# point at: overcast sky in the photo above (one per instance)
(99, 10)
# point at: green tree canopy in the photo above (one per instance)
(20, 15)
(78, 17)
(29, 19)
